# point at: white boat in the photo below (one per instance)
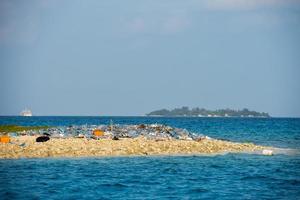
(26, 113)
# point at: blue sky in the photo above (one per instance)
(131, 57)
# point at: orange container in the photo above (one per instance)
(4, 139)
(98, 132)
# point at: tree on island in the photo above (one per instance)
(185, 111)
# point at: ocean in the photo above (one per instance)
(230, 176)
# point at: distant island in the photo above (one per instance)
(201, 112)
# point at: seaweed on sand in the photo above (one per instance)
(16, 128)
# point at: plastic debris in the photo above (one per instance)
(42, 139)
(149, 131)
(4, 139)
(12, 134)
(115, 138)
(80, 135)
(98, 132)
(23, 144)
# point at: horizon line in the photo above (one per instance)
(145, 116)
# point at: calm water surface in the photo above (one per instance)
(231, 176)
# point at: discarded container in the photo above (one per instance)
(4, 139)
(13, 134)
(267, 152)
(58, 135)
(98, 133)
(80, 136)
(115, 138)
(23, 144)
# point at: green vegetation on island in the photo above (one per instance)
(201, 112)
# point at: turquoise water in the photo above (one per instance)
(231, 176)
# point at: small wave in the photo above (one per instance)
(198, 190)
(290, 152)
(258, 177)
(118, 185)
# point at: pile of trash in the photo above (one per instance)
(149, 131)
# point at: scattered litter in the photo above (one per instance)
(23, 144)
(113, 131)
(115, 138)
(46, 134)
(98, 133)
(80, 135)
(4, 139)
(42, 139)
(12, 134)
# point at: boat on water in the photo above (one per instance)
(26, 113)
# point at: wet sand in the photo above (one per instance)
(26, 147)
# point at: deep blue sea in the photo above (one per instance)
(230, 176)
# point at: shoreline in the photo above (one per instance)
(135, 156)
(26, 147)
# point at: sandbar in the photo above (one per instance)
(27, 147)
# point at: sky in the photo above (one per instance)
(73, 57)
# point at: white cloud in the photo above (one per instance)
(246, 4)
